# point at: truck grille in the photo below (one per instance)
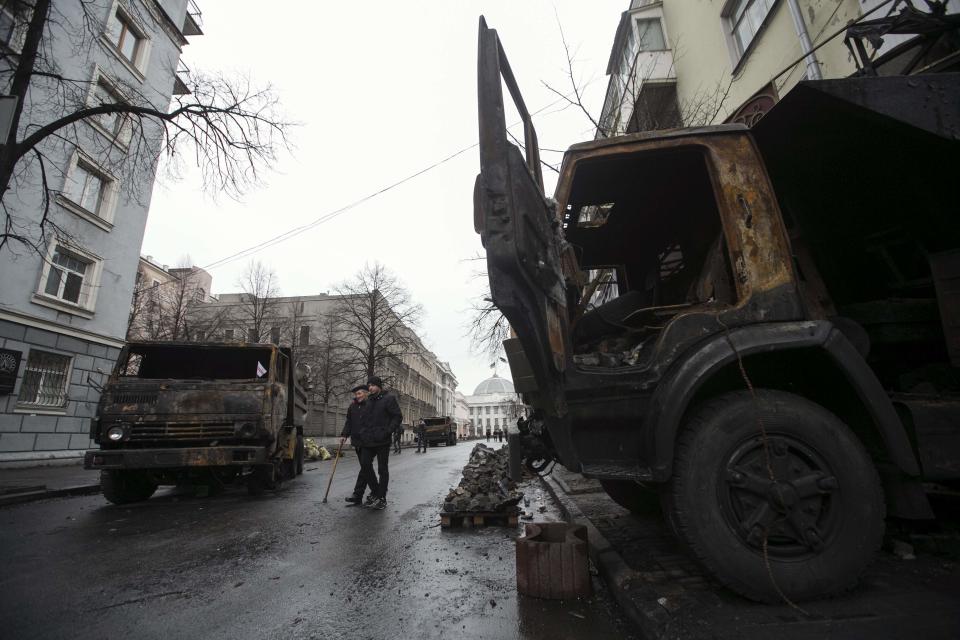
(161, 431)
(135, 396)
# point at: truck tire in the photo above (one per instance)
(632, 496)
(122, 486)
(807, 533)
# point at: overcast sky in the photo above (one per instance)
(381, 91)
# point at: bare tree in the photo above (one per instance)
(259, 305)
(377, 317)
(330, 370)
(226, 126)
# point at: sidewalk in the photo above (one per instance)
(37, 483)
(668, 595)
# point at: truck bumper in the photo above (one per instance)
(173, 458)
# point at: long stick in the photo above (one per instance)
(334, 470)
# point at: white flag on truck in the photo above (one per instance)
(261, 370)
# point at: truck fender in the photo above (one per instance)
(678, 388)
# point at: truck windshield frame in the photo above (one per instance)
(196, 362)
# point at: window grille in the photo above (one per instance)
(45, 379)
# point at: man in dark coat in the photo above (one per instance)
(353, 429)
(382, 419)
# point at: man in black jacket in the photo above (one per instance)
(383, 418)
(353, 429)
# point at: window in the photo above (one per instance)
(496, 422)
(744, 20)
(275, 335)
(45, 379)
(67, 278)
(228, 335)
(252, 335)
(8, 26)
(115, 125)
(85, 188)
(496, 409)
(125, 37)
(650, 35)
(304, 335)
(90, 192)
(487, 410)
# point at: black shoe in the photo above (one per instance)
(370, 501)
(354, 499)
(380, 504)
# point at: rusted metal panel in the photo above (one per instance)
(552, 561)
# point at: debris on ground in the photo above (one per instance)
(485, 487)
(312, 451)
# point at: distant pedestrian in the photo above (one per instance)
(382, 418)
(488, 435)
(421, 436)
(397, 434)
(352, 429)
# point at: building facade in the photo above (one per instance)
(64, 308)
(461, 415)
(494, 406)
(675, 63)
(162, 296)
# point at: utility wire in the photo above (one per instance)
(290, 233)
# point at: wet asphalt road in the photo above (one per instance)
(282, 565)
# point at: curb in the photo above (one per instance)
(652, 620)
(32, 496)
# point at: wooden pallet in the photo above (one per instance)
(468, 520)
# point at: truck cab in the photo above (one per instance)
(754, 327)
(173, 411)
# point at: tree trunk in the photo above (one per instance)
(9, 151)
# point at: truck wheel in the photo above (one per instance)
(807, 532)
(298, 455)
(261, 478)
(634, 497)
(121, 486)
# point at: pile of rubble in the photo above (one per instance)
(485, 486)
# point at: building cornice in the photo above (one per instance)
(40, 323)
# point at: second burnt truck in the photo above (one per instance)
(757, 328)
(198, 412)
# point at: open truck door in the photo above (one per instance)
(521, 234)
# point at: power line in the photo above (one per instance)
(290, 233)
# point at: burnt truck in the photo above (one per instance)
(440, 429)
(755, 330)
(180, 413)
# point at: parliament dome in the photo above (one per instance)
(496, 384)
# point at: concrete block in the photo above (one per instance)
(17, 441)
(52, 441)
(10, 422)
(22, 347)
(82, 409)
(38, 424)
(11, 330)
(103, 364)
(72, 345)
(83, 362)
(70, 424)
(78, 391)
(112, 354)
(40, 337)
(81, 441)
(97, 350)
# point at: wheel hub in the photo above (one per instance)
(775, 493)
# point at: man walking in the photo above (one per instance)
(353, 429)
(421, 436)
(383, 418)
(396, 440)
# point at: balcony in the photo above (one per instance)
(193, 21)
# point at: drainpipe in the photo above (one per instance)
(813, 67)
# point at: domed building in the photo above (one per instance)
(493, 407)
